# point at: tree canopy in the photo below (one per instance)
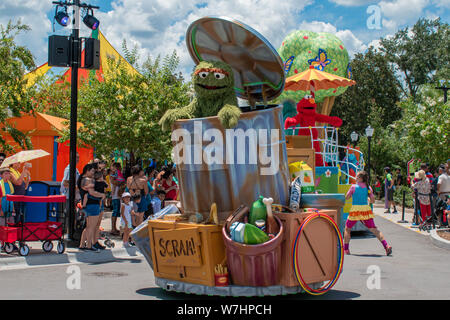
(122, 112)
(15, 97)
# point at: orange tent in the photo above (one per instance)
(44, 135)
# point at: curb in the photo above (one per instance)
(40, 260)
(438, 241)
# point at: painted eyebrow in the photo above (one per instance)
(211, 70)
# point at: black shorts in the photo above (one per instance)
(390, 194)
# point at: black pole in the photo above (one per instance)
(433, 213)
(403, 208)
(76, 54)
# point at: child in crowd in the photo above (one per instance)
(136, 199)
(117, 174)
(378, 188)
(127, 214)
(361, 211)
(158, 201)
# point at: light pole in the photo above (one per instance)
(369, 134)
(443, 88)
(354, 138)
(75, 63)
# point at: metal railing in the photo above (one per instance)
(330, 150)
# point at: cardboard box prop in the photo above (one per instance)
(327, 179)
(186, 252)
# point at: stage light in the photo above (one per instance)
(62, 17)
(90, 21)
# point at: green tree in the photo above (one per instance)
(419, 54)
(387, 148)
(15, 97)
(424, 126)
(376, 88)
(122, 112)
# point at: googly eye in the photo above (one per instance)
(308, 96)
(219, 75)
(203, 74)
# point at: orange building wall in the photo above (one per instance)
(63, 157)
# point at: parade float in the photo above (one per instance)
(256, 216)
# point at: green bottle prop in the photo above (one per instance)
(258, 211)
(254, 235)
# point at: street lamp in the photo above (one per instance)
(61, 17)
(369, 134)
(443, 88)
(354, 137)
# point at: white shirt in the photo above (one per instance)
(114, 192)
(444, 182)
(65, 191)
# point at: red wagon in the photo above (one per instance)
(45, 232)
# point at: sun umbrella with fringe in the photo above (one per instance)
(24, 156)
(321, 80)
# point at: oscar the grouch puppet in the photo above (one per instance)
(214, 87)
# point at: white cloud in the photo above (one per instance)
(400, 12)
(166, 22)
(351, 42)
(442, 3)
(352, 3)
(34, 14)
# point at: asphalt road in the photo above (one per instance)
(416, 270)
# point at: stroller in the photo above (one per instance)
(440, 211)
(437, 218)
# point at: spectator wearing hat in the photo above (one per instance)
(423, 188)
(126, 213)
(6, 187)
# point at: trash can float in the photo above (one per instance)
(202, 257)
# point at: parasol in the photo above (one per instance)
(24, 156)
(321, 80)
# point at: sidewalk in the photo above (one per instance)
(378, 209)
(37, 257)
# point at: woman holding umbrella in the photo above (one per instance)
(20, 182)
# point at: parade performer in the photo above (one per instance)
(214, 96)
(361, 211)
(307, 117)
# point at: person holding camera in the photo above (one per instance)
(20, 182)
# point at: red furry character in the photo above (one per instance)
(307, 117)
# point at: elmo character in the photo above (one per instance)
(307, 117)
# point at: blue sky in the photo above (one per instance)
(157, 27)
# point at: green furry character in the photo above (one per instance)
(214, 87)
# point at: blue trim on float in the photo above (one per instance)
(55, 157)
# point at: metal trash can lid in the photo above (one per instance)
(256, 64)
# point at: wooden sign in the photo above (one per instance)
(178, 247)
